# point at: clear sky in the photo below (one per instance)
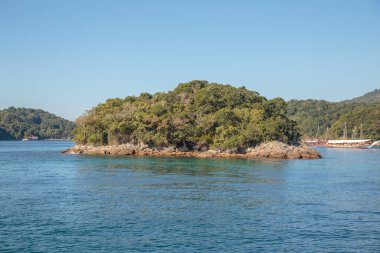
(66, 56)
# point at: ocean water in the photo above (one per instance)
(51, 202)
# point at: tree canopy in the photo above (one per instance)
(195, 115)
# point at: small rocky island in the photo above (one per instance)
(274, 149)
(196, 119)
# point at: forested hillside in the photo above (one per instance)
(369, 115)
(309, 114)
(368, 98)
(18, 123)
(199, 114)
(195, 115)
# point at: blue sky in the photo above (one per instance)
(67, 56)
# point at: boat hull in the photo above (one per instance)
(355, 144)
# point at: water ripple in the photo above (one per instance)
(61, 203)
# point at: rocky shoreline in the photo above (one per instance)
(274, 150)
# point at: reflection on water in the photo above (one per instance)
(186, 166)
(54, 202)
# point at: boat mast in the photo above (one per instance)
(317, 134)
(361, 131)
(345, 131)
(354, 132)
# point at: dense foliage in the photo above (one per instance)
(18, 123)
(195, 115)
(309, 114)
(368, 115)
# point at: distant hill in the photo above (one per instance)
(17, 123)
(368, 98)
(309, 114)
(369, 115)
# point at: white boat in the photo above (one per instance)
(30, 138)
(353, 143)
(365, 143)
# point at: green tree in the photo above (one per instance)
(195, 114)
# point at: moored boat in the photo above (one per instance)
(365, 143)
(353, 143)
(30, 138)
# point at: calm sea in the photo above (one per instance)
(50, 202)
